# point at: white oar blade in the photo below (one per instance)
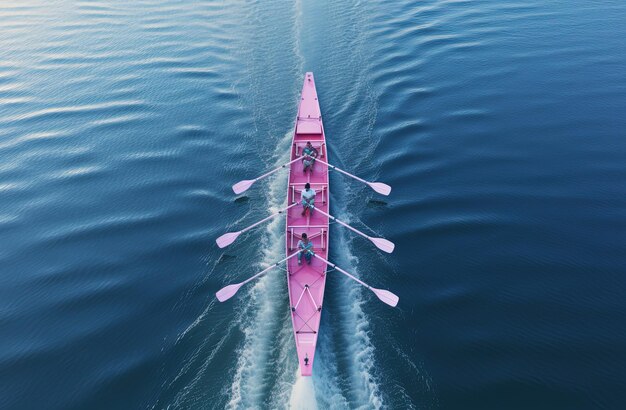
(386, 296)
(226, 239)
(381, 188)
(383, 244)
(243, 186)
(227, 292)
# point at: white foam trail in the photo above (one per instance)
(298, 35)
(364, 386)
(261, 327)
(303, 394)
(327, 386)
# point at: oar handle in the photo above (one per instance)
(268, 218)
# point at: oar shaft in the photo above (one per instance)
(343, 271)
(384, 295)
(342, 223)
(268, 218)
(267, 174)
(341, 170)
(268, 268)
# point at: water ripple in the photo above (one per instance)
(123, 126)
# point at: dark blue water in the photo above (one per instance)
(499, 124)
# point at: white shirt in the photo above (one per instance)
(308, 195)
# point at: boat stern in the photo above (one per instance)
(306, 353)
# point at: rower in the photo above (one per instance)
(308, 199)
(309, 153)
(305, 247)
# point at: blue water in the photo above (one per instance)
(499, 124)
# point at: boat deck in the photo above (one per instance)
(307, 282)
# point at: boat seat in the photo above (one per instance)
(319, 187)
(321, 148)
(309, 125)
(323, 233)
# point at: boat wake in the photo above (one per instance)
(345, 371)
(252, 374)
(350, 345)
(303, 394)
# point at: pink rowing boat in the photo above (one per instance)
(306, 282)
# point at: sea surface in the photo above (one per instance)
(500, 125)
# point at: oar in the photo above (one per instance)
(384, 295)
(230, 237)
(229, 291)
(381, 243)
(379, 187)
(243, 186)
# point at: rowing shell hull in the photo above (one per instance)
(306, 283)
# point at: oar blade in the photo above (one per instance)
(381, 188)
(386, 296)
(242, 186)
(227, 292)
(383, 244)
(226, 239)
